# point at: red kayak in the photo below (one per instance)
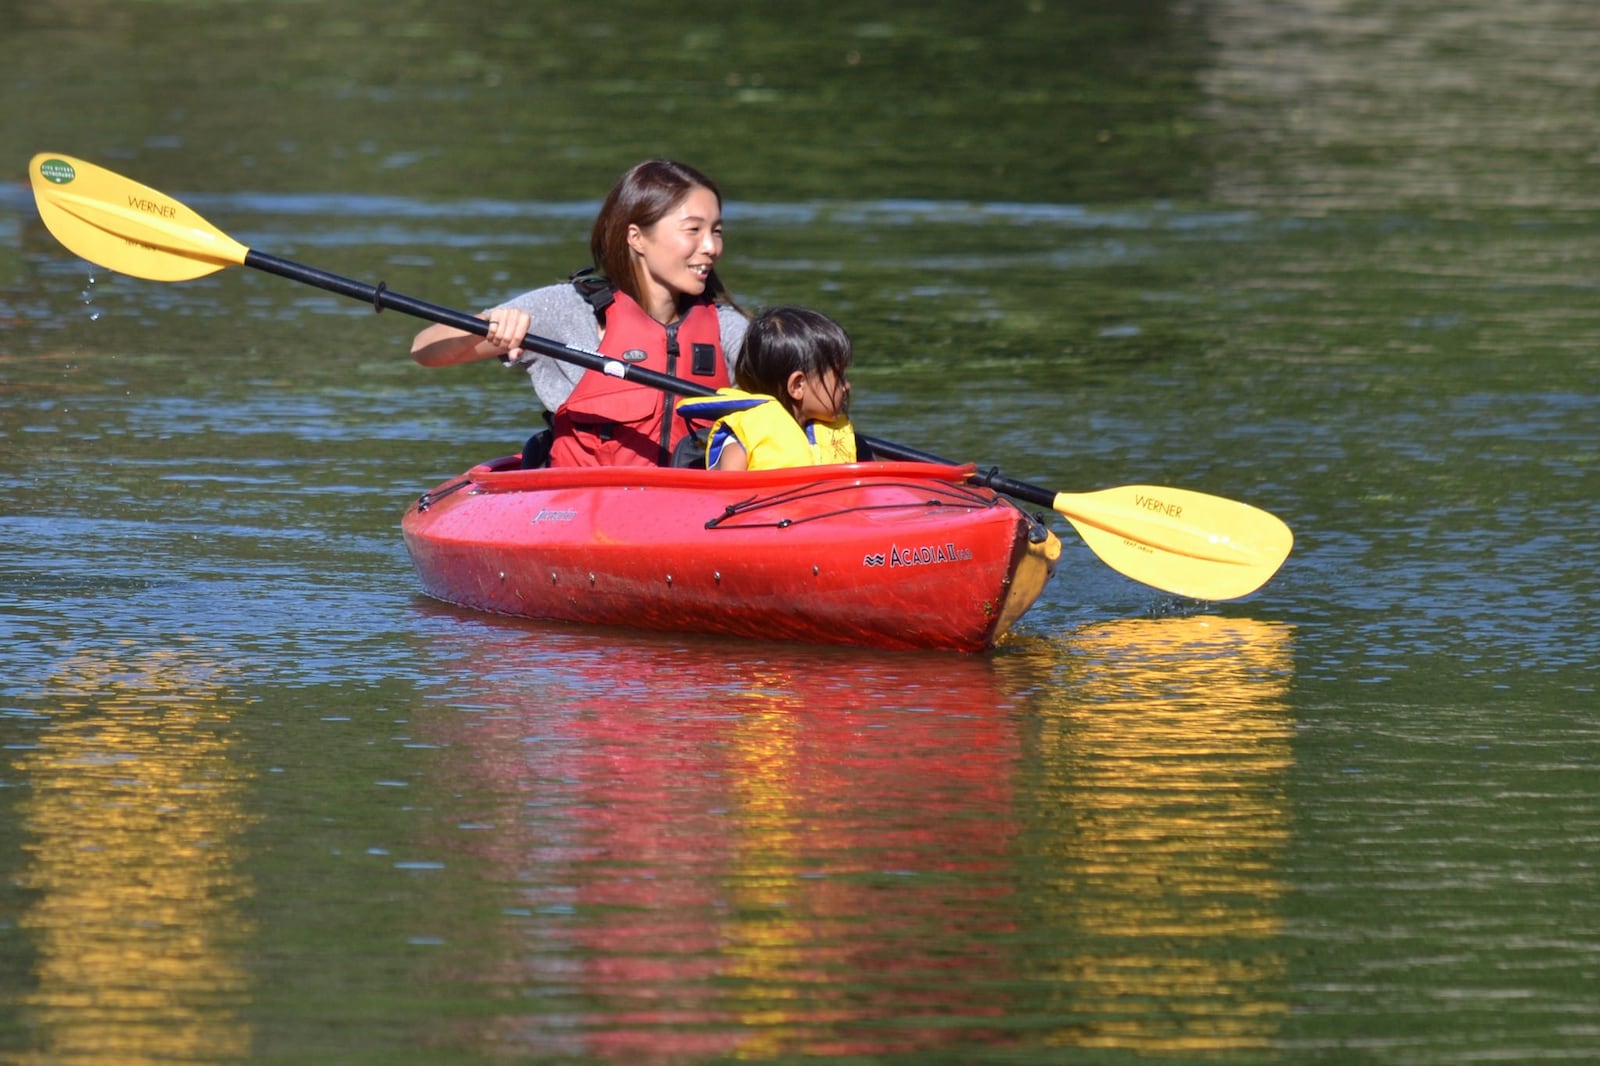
(884, 555)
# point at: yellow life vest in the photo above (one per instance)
(770, 436)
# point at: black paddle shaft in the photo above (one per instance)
(380, 296)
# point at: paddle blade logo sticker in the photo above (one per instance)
(57, 171)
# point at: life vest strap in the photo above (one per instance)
(595, 288)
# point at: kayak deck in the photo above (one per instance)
(888, 555)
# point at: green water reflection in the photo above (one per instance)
(1048, 102)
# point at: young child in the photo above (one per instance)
(790, 405)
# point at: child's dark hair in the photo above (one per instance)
(782, 340)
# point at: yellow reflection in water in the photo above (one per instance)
(134, 818)
(1161, 823)
(769, 951)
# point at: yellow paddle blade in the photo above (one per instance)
(1184, 542)
(124, 226)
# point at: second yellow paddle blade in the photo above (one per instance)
(121, 225)
(1184, 542)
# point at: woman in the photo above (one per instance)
(657, 302)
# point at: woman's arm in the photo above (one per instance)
(441, 345)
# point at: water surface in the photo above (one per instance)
(263, 801)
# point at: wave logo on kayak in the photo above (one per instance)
(57, 171)
(919, 555)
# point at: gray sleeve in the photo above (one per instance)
(732, 323)
(561, 315)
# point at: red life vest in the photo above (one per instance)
(610, 422)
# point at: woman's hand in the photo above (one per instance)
(442, 345)
(507, 327)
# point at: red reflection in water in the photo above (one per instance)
(737, 853)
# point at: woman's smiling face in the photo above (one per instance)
(676, 253)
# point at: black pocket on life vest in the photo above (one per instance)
(703, 360)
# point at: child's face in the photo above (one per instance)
(819, 397)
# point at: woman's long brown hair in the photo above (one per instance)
(642, 197)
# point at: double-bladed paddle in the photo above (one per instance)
(1184, 542)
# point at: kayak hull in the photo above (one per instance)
(887, 555)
